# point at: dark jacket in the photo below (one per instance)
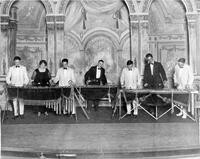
(159, 75)
(91, 75)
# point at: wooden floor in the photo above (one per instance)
(135, 139)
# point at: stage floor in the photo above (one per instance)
(119, 138)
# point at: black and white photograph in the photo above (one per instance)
(100, 79)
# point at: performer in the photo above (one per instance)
(17, 77)
(154, 78)
(130, 79)
(65, 77)
(183, 79)
(95, 76)
(41, 77)
(154, 74)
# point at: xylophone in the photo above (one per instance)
(51, 97)
(176, 98)
(62, 99)
(90, 92)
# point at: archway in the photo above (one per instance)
(168, 33)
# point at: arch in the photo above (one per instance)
(76, 38)
(98, 32)
(8, 3)
(189, 6)
(64, 3)
(124, 37)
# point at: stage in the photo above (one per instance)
(124, 139)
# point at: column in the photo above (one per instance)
(192, 54)
(134, 39)
(51, 52)
(144, 38)
(59, 43)
(5, 60)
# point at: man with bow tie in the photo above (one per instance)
(183, 79)
(95, 76)
(130, 79)
(65, 75)
(154, 78)
(154, 74)
(17, 77)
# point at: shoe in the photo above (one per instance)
(15, 117)
(184, 116)
(39, 114)
(21, 116)
(179, 114)
(135, 116)
(46, 114)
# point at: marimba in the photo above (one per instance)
(51, 97)
(92, 92)
(176, 98)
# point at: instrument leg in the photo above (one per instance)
(81, 106)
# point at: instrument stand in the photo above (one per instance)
(156, 117)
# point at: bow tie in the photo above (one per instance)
(99, 68)
(130, 69)
(65, 68)
(151, 63)
(17, 66)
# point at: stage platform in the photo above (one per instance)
(175, 138)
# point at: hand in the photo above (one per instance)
(139, 86)
(165, 84)
(24, 85)
(88, 81)
(187, 86)
(176, 84)
(146, 85)
(71, 83)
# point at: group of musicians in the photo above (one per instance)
(154, 78)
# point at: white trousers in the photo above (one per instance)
(19, 111)
(135, 108)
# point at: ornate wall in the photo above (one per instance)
(85, 31)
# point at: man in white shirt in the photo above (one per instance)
(130, 79)
(17, 77)
(65, 77)
(183, 79)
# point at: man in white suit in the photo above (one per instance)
(17, 76)
(130, 79)
(183, 79)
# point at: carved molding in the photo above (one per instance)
(130, 6)
(187, 3)
(168, 38)
(6, 5)
(54, 20)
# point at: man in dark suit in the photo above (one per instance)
(95, 76)
(154, 74)
(154, 78)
